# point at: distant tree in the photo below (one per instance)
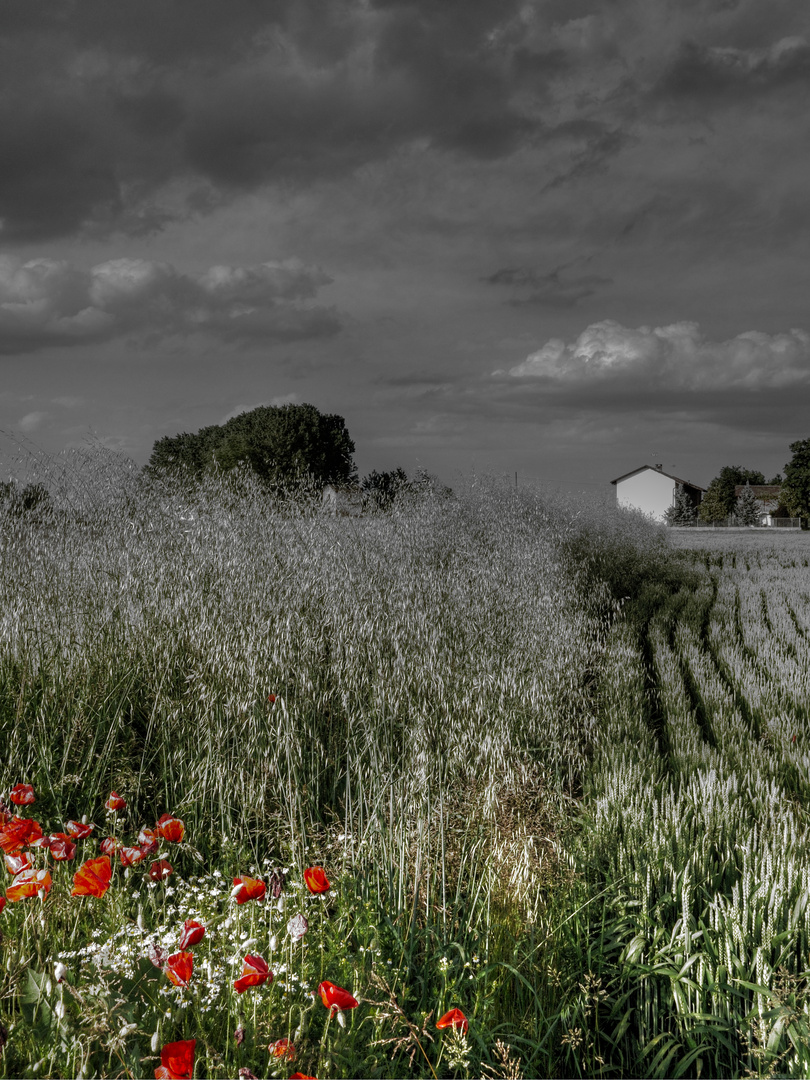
(718, 502)
(713, 506)
(796, 486)
(425, 483)
(747, 510)
(381, 489)
(778, 479)
(282, 444)
(31, 499)
(683, 511)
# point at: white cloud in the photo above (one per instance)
(31, 421)
(675, 356)
(49, 301)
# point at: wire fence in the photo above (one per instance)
(732, 522)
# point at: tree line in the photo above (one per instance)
(721, 502)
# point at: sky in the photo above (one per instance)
(563, 238)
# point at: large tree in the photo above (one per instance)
(282, 444)
(796, 485)
(719, 500)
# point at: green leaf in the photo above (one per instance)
(34, 1003)
(142, 987)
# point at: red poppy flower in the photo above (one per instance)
(78, 830)
(179, 967)
(28, 884)
(15, 864)
(170, 828)
(60, 846)
(22, 795)
(115, 802)
(19, 833)
(193, 933)
(254, 972)
(282, 1048)
(271, 698)
(316, 879)
(454, 1019)
(335, 997)
(131, 856)
(2, 902)
(176, 1060)
(301, 1076)
(160, 870)
(93, 877)
(247, 888)
(110, 846)
(148, 841)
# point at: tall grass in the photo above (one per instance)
(409, 695)
(410, 654)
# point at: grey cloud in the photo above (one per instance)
(551, 290)
(703, 71)
(45, 301)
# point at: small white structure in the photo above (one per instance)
(342, 501)
(652, 491)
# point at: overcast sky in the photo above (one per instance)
(563, 237)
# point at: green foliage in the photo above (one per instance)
(714, 504)
(796, 486)
(718, 501)
(747, 510)
(282, 445)
(683, 511)
(382, 489)
(33, 498)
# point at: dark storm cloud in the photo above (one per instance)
(103, 106)
(51, 178)
(51, 302)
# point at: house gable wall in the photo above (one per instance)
(649, 490)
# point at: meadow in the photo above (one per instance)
(495, 761)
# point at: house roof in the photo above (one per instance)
(677, 479)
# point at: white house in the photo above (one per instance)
(652, 490)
